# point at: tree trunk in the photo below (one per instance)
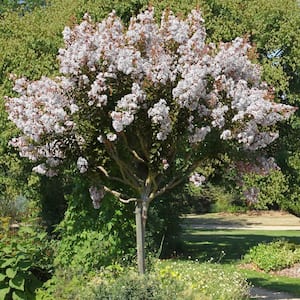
(140, 221)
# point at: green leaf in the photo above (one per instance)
(6, 250)
(7, 262)
(109, 226)
(4, 292)
(17, 282)
(25, 265)
(11, 273)
(34, 284)
(20, 258)
(27, 229)
(2, 277)
(18, 295)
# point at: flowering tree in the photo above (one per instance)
(139, 108)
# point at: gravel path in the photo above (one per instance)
(244, 227)
(261, 293)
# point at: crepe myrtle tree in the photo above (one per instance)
(139, 108)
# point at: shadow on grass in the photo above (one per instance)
(228, 246)
(196, 222)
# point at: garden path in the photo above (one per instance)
(261, 293)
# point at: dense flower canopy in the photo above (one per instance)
(137, 104)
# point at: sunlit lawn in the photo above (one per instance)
(275, 283)
(229, 245)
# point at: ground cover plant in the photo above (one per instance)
(167, 280)
(26, 261)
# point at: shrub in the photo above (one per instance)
(271, 187)
(89, 238)
(167, 280)
(173, 280)
(26, 262)
(273, 256)
(215, 198)
(66, 284)
(135, 287)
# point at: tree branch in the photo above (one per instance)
(168, 186)
(111, 177)
(133, 152)
(119, 195)
(128, 177)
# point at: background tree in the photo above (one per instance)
(138, 109)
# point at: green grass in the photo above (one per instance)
(229, 246)
(274, 283)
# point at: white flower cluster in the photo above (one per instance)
(96, 194)
(197, 179)
(82, 164)
(165, 164)
(118, 72)
(232, 61)
(97, 92)
(159, 114)
(199, 134)
(127, 107)
(40, 109)
(218, 116)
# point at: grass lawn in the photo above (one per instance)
(229, 246)
(274, 283)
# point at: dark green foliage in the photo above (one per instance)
(90, 238)
(163, 228)
(26, 262)
(273, 256)
(52, 201)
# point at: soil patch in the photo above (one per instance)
(293, 271)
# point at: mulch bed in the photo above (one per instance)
(292, 272)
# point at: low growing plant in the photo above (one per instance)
(26, 262)
(170, 280)
(273, 256)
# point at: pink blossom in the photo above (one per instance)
(161, 78)
(197, 179)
